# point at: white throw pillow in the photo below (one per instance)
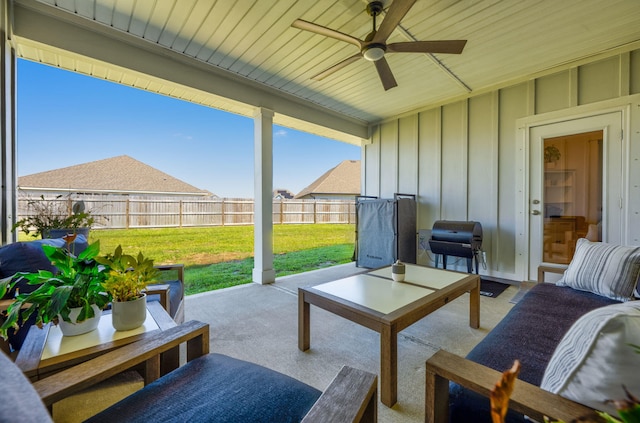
(604, 269)
(594, 359)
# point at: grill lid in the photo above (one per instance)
(456, 238)
(457, 231)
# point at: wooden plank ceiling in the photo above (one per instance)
(508, 40)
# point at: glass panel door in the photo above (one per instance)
(572, 193)
(576, 173)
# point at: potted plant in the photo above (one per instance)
(73, 297)
(126, 281)
(53, 219)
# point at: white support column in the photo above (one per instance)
(8, 175)
(263, 192)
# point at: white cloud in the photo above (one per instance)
(280, 133)
(183, 136)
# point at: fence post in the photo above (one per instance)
(281, 211)
(315, 211)
(127, 218)
(222, 211)
(354, 215)
(180, 213)
(349, 214)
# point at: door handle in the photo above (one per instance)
(535, 212)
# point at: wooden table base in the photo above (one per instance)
(387, 325)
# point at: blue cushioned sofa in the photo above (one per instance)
(530, 333)
(29, 257)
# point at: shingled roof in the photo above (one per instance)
(121, 174)
(343, 179)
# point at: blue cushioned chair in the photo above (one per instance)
(209, 387)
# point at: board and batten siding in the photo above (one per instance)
(460, 158)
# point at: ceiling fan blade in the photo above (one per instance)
(386, 76)
(322, 75)
(396, 12)
(327, 32)
(448, 46)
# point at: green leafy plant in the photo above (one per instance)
(551, 154)
(78, 283)
(628, 411)
(127, 276)
(53, 214)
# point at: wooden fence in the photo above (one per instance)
(118, 212)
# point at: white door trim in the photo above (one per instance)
(523, 127)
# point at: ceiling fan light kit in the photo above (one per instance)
(373, 52)
(374, 46)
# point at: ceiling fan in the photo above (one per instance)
(374, 46)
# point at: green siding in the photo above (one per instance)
(460, 158)
(599, 81)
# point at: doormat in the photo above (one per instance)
(492, 289)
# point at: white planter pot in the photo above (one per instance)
(74, 328)
(127, 315)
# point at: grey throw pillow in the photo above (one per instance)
(604, 269)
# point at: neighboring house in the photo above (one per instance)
(121, 175)
(340, 183)
(282, 194)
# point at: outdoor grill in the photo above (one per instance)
(459, 239)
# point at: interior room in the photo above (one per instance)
(522, 116)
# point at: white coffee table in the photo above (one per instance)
(375, 301)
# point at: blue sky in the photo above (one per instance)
(66, 119)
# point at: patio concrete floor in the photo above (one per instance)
(258, 323)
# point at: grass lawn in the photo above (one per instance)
(222, 256)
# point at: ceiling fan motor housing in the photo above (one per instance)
(373, 52)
